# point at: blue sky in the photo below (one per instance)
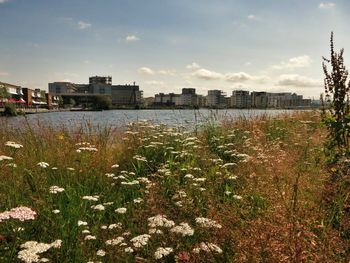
(273, 45)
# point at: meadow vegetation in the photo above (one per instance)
(242, 191)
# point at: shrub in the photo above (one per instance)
(102, 102)
(337, 116)
(10, 110)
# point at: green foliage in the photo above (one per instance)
(10, 110)
(102, 102)
(4, 93)
(71, 102)
(337, 116)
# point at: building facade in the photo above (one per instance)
(240, 99)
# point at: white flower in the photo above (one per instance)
(160, 221)
(128, 250)
(207, 247)
(115, 241)
(43, 164)
(238, 197)
(13, 145)
(138, 200)
(85, 231)
(70, 169)
(115, 165)
(121, 210)
(184, 229)
(101, 253)
(91, 198)
(87, 149)
(56, 211)
(4, 157)
(82, 223)
(90, 237)
(98, 207)
(140, 241)
(56, 189)
(11, 165)
(206, 222)
(162, 252)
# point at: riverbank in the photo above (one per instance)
(242, 191)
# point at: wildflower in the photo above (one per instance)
(155, 231)
(189, 176)
(90, 237)
(91, 198)
(43, 164)
(138, 200)
(115, 165)
(160, 221)
(87, 149)
(85, 231)
(70, 169)
(56, 189)
(128, 250)
(207, 223)
(207, 247)
(115, 241)
(140, 241)
(4, 157)
(56, 211)
(238, 197)
(82, 223)
(184, 229)
(13, 145)
(31, 249)
(98, 207)
(100, 253)
(21, 213)
(54, 168)
(103, 227)
(110, 175)
(121, 210)
(112, 226)
(11, 165)
(232, 177)
(162, 252)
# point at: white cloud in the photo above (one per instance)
(252, 17)
(293, 63)
(83, 25)
(155, 83)
(4, 74)
(132, 38)
(242, 77)
(326, 5)
(193, 65)
(207, 74)
(167, 72)
(4, 1)
(146, 71)
(298, 81)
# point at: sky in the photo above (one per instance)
(164, 46)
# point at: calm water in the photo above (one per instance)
(119, 118)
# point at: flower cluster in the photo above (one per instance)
(21, 213)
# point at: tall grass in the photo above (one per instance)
(257, 182)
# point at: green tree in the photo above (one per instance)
(102, 102)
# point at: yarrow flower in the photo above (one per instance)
(162, 252)
(207, 223)
(160, 221)
(184, 229)
(56, 189)
(115, 165)
(43, 164)
(31, 249)
(21, 213)
(101, 253)
(121, 210)
(207, 247)
(13, 145)
(140, 241)
(115, 241)
(87, 149)
(91, 198)
(98, 207)
(4, 157)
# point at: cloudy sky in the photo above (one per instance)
(166, 45)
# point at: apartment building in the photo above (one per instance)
(216, 99)
(240, 99)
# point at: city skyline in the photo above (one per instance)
(166, 46)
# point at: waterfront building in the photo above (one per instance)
(216, 99)
(240, 99)
(14, 94)
(188, 97)
(83, 94)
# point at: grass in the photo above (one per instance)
(260, 180)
